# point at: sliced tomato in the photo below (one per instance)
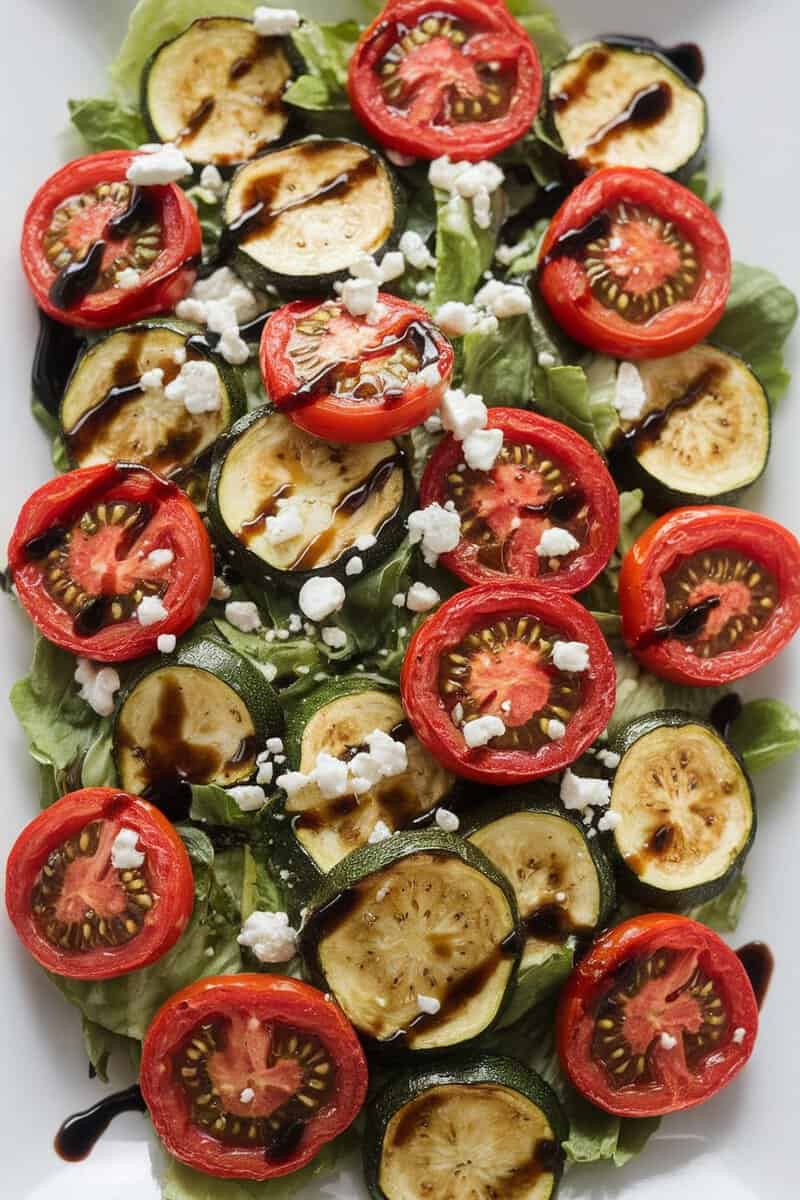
(87, 224)
(545, 477)
(657, 1017)
(710, 594)
(76, 912)
(488, 652)
(248, 1076)
(460, 77)
(635, 265)
(351, 380)
(79, 555)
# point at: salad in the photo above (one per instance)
(390, 595)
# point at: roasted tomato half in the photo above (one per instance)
(248, 1076)
(492, 652)
(84, 559)
(657, 1017)
(99, 884)
(349, 380)
(545, 477)
(97, 251)
(710, 594)
(635, 265)
(459, 77)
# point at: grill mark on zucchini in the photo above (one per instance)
(355, 499)
(196, 121)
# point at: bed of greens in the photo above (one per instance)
(390, 596)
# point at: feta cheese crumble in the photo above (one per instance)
(270, 936)
(609, 822)
(571, 656)
(546, 359)
(738, 1035)
(128, 278)
(354, 566)
(211, 180)
(287, 523)
(249, 797)
(243, 615)
(220, 589)
(422, 598)
(481, 730)
(150, 610)
(264, 773)
(158, 164)
(579, 792)
(380, 833)
(275, 22)
(455, 318)
(608, 758)
(415, 251)
(437, 529)
(556, 729)
(166, 643)
(124, 854)
(97, 686)
(462, 414)
(668, 1041)
(246, 1096)
(556, 542)
(447, 820)
(321, 596)
(152, 380)
(504, 300)
(334, 637)
(428, 1004)
(197, 386)
(365, 541)
(630, 397)
(472, 181)
(481, 449)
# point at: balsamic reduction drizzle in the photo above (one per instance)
(78, 278)
(79, 1133)
(41, 545)
(574, 241)
(759, 963)
(137, 212)
(57, 349)
(725, 712)
(687, 625)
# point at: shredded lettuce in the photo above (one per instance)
(759, 316)
(107, 124)
(765, 732)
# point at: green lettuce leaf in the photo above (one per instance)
(536, 982)
(208, 946)
(59, 725)
(639, 693)
(326, 51)
(215, 806)
(601, 379)
(542, 26)
(107, 125)
(699, 184)
(723, 912)
(101, 1045)
(759, 316)
(463, 250)
(155, 21)
(52, 430)
(98, 768)
(182, 1183)
(499, 366)
(562, 393)
(765, 732)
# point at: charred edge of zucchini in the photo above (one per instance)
(542, 799)
(294, 123)
(659, 495)
(367, 861)
(474, 1069)
(628, 876)
(389, 534)
(332, 689)
(222, 664)
(315, 281)
(693, 158)
(234, 401)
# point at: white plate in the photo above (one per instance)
(742, 1144)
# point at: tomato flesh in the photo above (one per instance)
(657, 1017)
(458, 78)
(546, 476)
(348, 379)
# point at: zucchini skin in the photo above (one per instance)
(471, 1069)
(695, 161)
(294, 122)
(389, 537)
(541, 798)
(659, 497)
(206, 654)
(231, 378)
(365, 861)
(628, 881)
(260, 277)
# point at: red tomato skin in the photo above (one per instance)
(575, 1015)
(338, 421)
(575, 453)
(168, 865)
(444, 628)
(683, 532)
(163, 284)
(565, 287)
(190, 583)
(473, 141)
(289, 1000)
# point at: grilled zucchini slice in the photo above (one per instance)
(487, 1128)
(563, 881)
(216, 91)
(626, 105)
(686, 807)
(416, 918)
(337, 719)
(107, 417)
(341, 493)
(298, 217)
(200, 715)
(703, 434)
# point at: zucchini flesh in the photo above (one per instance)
(215, 91)
(301, 215)
(478, 1140)
(427, 924)
(106, 418)
(686, 809)
(340, 492)
(183, 722)
(330, 829)
(626, 106)
(704, 433)
(546, 859)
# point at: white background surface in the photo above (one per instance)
(742, 1145)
